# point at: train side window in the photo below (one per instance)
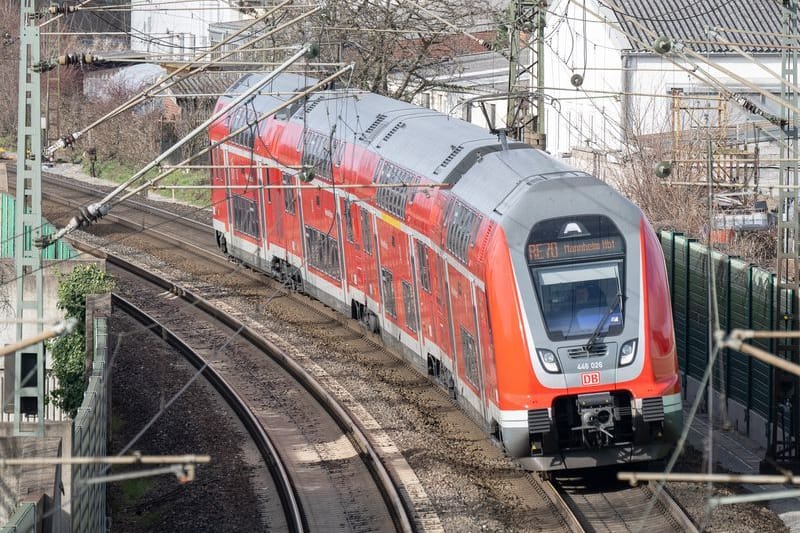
(366, 232)
(470, 356)
(288, 192)
(245, 216)
(323, 252)
(388, 293)
(348, 221)
(461, 230)
(394, 196)
(410, 306)
(423, 267)
(317, 153)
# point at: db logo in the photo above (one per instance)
(590, 378)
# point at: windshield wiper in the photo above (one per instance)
(596, 333)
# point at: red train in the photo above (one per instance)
(534, 292)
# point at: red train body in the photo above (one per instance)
(534, 292)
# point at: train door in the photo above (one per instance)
(466, 340)
(353, 256)
(370, 260)
(424, 297)
(484, 329)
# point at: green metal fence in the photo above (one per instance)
(59, 250)
(89, 438)
(746, 298)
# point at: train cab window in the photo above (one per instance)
(388, 293)
(410, 307)
(578, 300)
(366, 232)
(578, 268)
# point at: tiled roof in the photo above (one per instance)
(752, 24)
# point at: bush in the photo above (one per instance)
(69, 351)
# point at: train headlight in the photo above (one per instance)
(628, 352)
(549, 360)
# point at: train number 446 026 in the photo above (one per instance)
(590, 378)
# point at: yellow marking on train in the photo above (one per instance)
(391, 220)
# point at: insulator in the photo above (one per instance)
(663, 169)
(77, 59)
(56, 9)
(576, 80)
(662, 45)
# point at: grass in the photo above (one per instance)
(119, 172)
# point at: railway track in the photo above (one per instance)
(603, 505)
(308, 502)
(573, 512)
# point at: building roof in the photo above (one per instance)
(752, 24)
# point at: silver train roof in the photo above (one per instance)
(445, 150)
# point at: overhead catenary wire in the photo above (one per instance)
(93, 212)
(172, 78)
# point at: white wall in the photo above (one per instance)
(179, 31)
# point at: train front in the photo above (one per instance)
(598, 383)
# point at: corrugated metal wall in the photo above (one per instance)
(89, 437)
(746, 297)
(60, 250)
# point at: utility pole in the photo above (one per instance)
(525, 115)
(784, 448)
(29, 362)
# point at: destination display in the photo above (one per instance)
(574, 249)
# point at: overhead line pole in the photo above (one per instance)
(29, 362)
(784, 451)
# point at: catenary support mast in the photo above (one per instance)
(29, 362)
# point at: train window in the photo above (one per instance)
(410, 306)
(388, 293)
(288, 192)
(461, 230)
(423, 267)
(394, 197)
(468, 348)
(348, 221)
(366, 232)
(578, 300)
(323, 252)
(245, 216)
(317, 150)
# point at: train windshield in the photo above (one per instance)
(581, 300)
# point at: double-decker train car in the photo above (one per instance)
(535, 292)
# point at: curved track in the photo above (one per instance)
(578, 509)
(321, 506)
